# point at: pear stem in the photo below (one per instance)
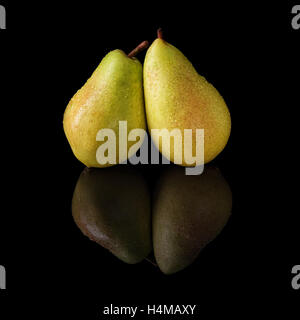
(142, 46)
(160, 33)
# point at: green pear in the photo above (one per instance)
(112, 208)
(188, 213)
(113, 93)
(177, 97)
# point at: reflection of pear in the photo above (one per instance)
(112, 208)
(113, 93)
(188, 213)
(176, 96)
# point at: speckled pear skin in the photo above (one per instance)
(176, 96)
(113, 93)
(112, 208)
(188, 213)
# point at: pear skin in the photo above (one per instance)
(113, 93)
(176, 96)
(112, 208)
(188, 213)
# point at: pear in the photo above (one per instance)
(113, 93)
(185, 221)
(177, 97)
(112, 208)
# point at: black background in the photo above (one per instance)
(251, 54)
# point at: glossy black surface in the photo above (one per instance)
(249, 52)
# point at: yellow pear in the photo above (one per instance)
(113, 93)
(177, 97)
